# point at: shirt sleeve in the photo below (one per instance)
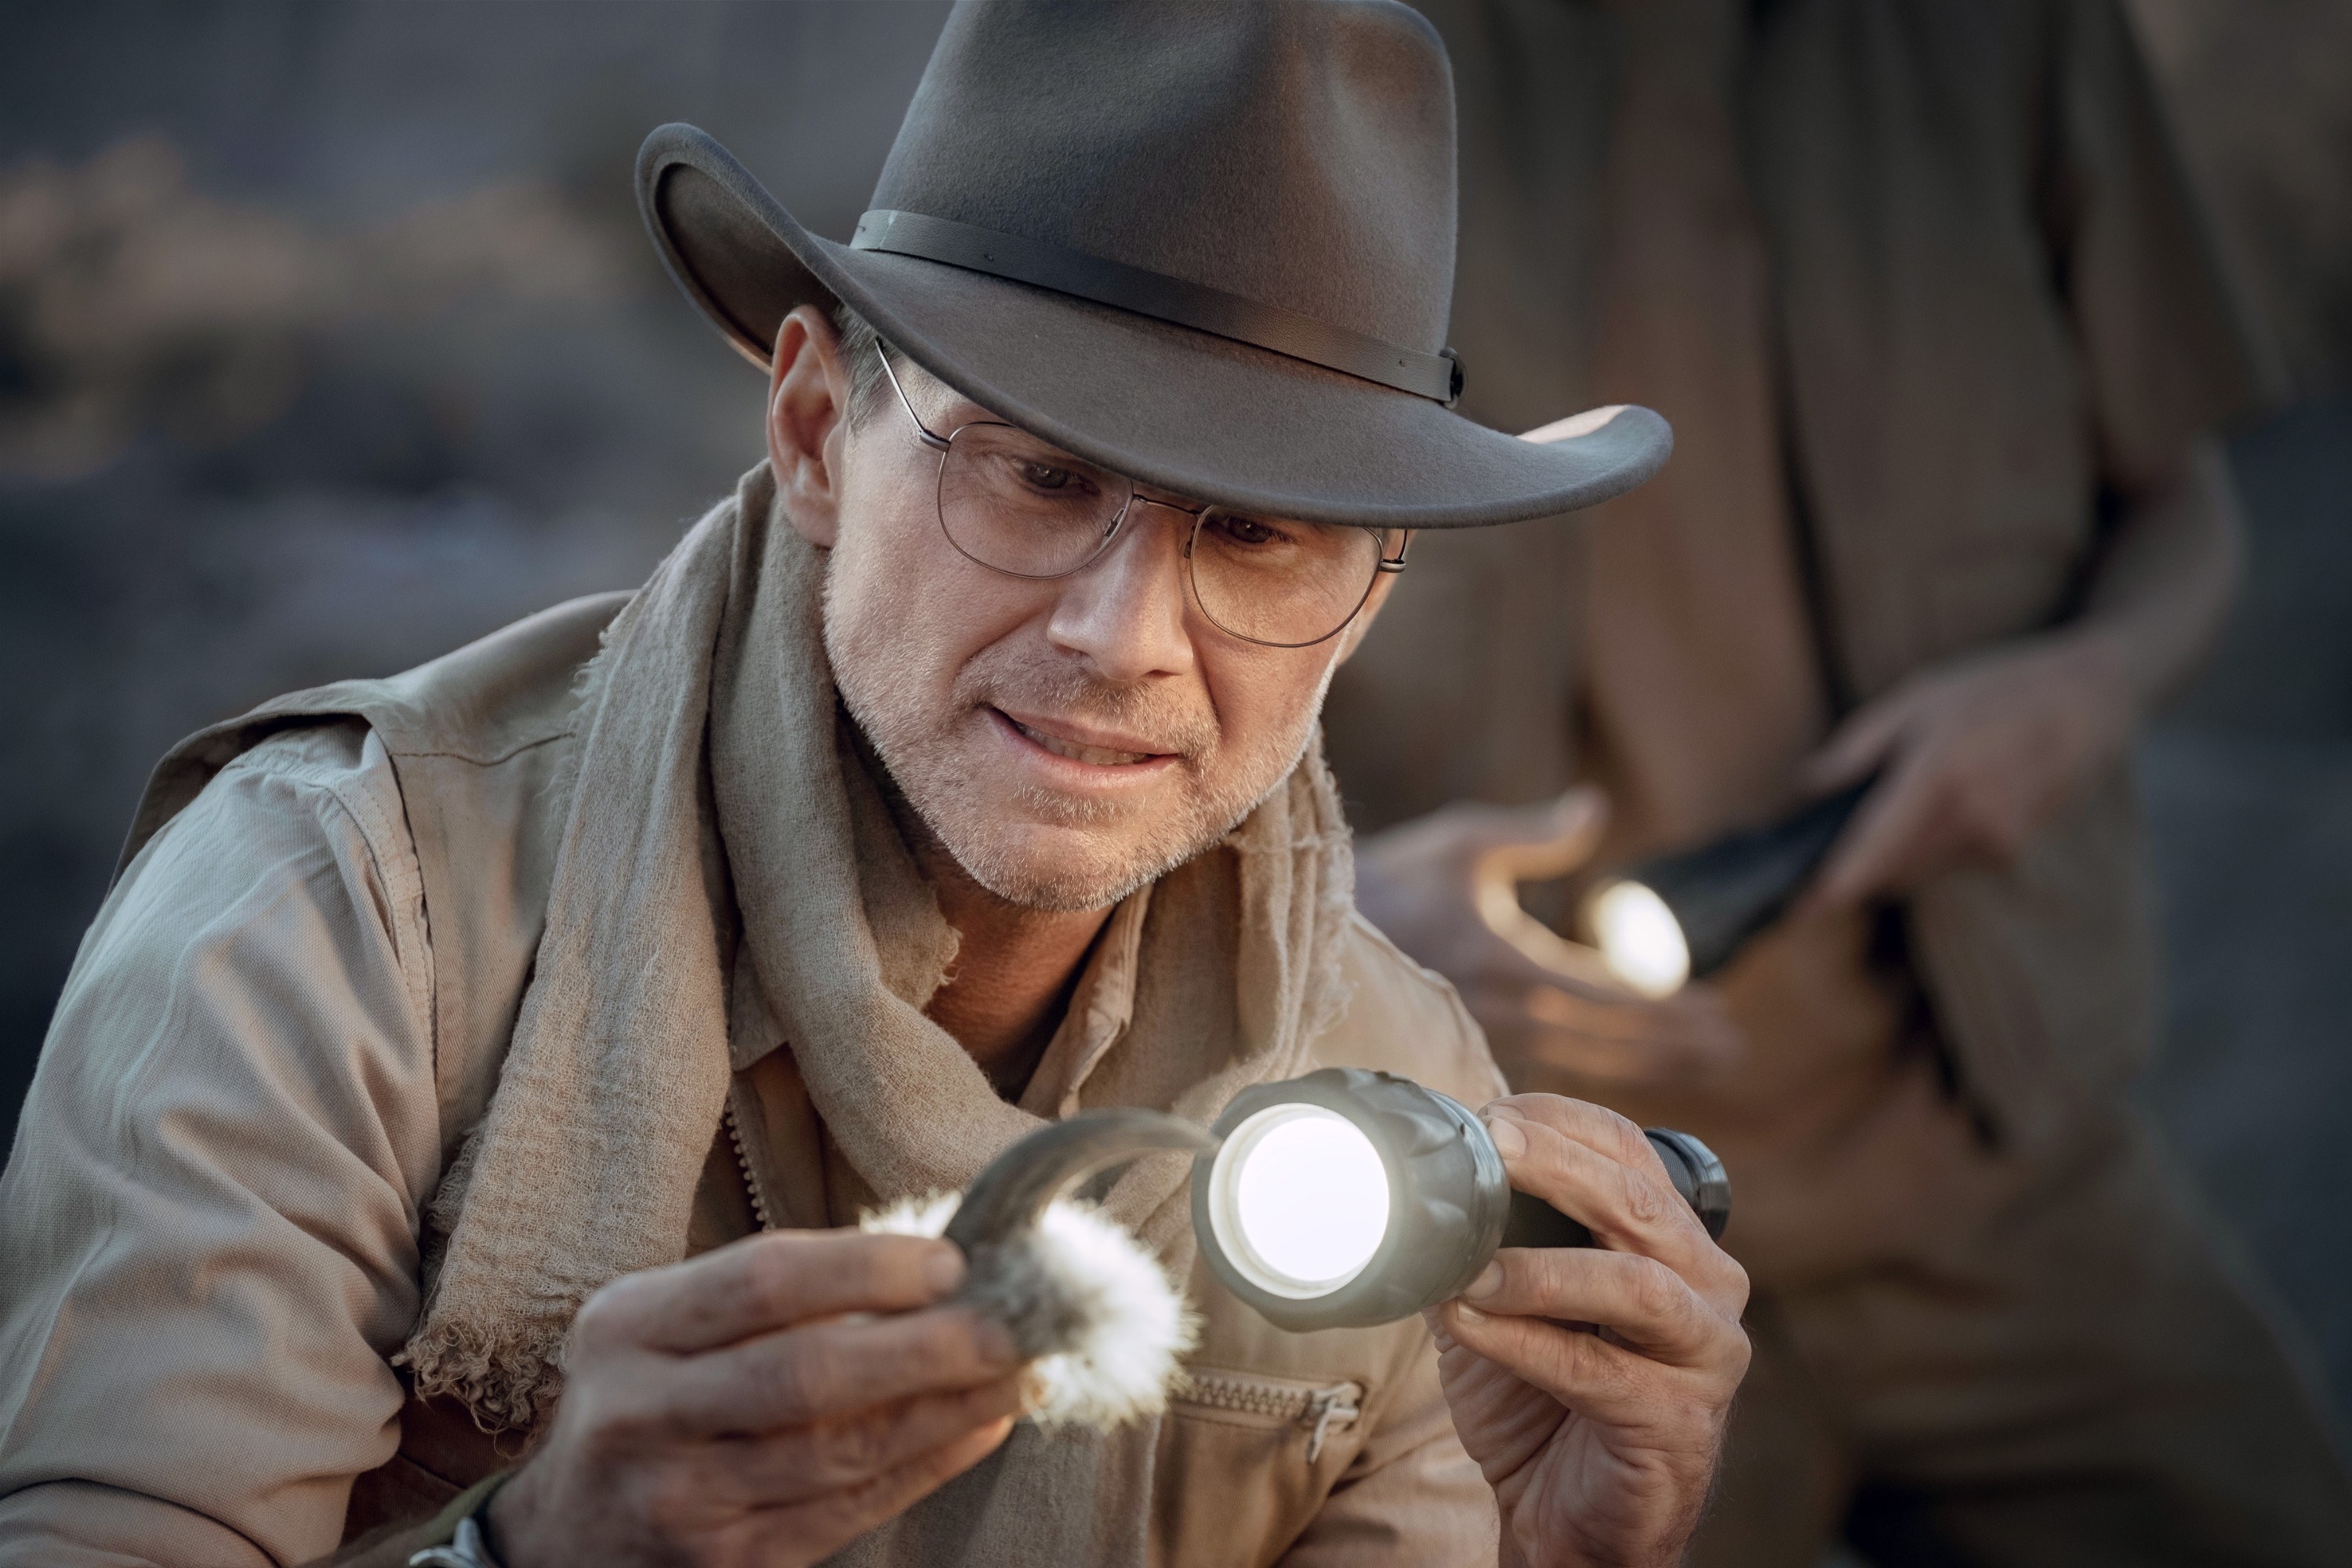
(2172, 348)
(211, 1213)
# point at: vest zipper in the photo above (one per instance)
(743, 1163)
(1320, 1410)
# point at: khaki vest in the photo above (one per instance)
(1267, 1423)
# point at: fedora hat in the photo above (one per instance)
(1206, 245)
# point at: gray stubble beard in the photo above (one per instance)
(922, 761)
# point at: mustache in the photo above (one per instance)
(1058, 686)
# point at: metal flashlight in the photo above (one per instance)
(1348, 1198)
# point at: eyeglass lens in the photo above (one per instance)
(1012, 502)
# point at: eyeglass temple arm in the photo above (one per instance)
(922, 431)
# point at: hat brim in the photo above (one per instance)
(1184, 411)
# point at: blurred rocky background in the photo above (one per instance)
(329, 341)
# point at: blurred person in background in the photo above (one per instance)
(1937, 322)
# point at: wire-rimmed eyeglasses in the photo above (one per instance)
(1017, 505)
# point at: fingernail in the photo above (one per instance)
(943, 1269)
(1509, 1141)
(1466, 1313)
(1486, 1284)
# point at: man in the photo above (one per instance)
(959, 774)
(1924, 291)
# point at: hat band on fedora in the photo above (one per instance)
(1043, 265)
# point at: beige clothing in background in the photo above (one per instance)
(1926, 279)
(1704, 689)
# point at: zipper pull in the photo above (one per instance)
(1329, 1408)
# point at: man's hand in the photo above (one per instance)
(765, 1403)
(1592, 1386)
(1444, 888)
(1975, 758)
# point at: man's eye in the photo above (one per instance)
(1045, 476)
(1248, 531)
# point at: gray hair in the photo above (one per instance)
(861, 350)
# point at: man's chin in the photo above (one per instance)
(1062, 869)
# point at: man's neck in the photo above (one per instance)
(1014, 971)
(1015, 967)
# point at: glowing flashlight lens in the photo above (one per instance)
(1641, 939)
(1300, 1200)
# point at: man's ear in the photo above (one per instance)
(808, 429)
(1360, 627)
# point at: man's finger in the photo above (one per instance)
(827, 1523)
(767, 1282)
(805, 1462)
(1597, 1167)
(1609, 1383)
(1555, 1128)
(1600, 1169)
(1858, 745)
(1549, 839)
(1647, 1304)
(823, 1371)
(1868, 856)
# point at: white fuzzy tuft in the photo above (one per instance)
(925, 1215)
(1120, 1330)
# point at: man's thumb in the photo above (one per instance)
(1550, 838)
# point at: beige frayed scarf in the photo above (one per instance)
(713, 795)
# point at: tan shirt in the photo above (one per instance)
(1972, 265)
(211, 1217)
(1704, 685)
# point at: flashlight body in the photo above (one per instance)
(1451, 1205)
(1448, 1198)
(1725, 892)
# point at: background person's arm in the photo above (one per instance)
(1979, 754)
(210, 1216)
(1985, 751)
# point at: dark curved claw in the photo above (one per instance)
(1017, 1185)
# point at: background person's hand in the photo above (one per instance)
(765, 1403)
(1444, 889)
(1592, 1386)
(1975, 758)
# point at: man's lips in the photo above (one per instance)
(1095, 748)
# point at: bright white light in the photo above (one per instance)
(1299, 1199)
(1640, 937)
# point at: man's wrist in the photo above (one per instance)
(505, 1515)
(462, 1537)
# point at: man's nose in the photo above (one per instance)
(1126, 613)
